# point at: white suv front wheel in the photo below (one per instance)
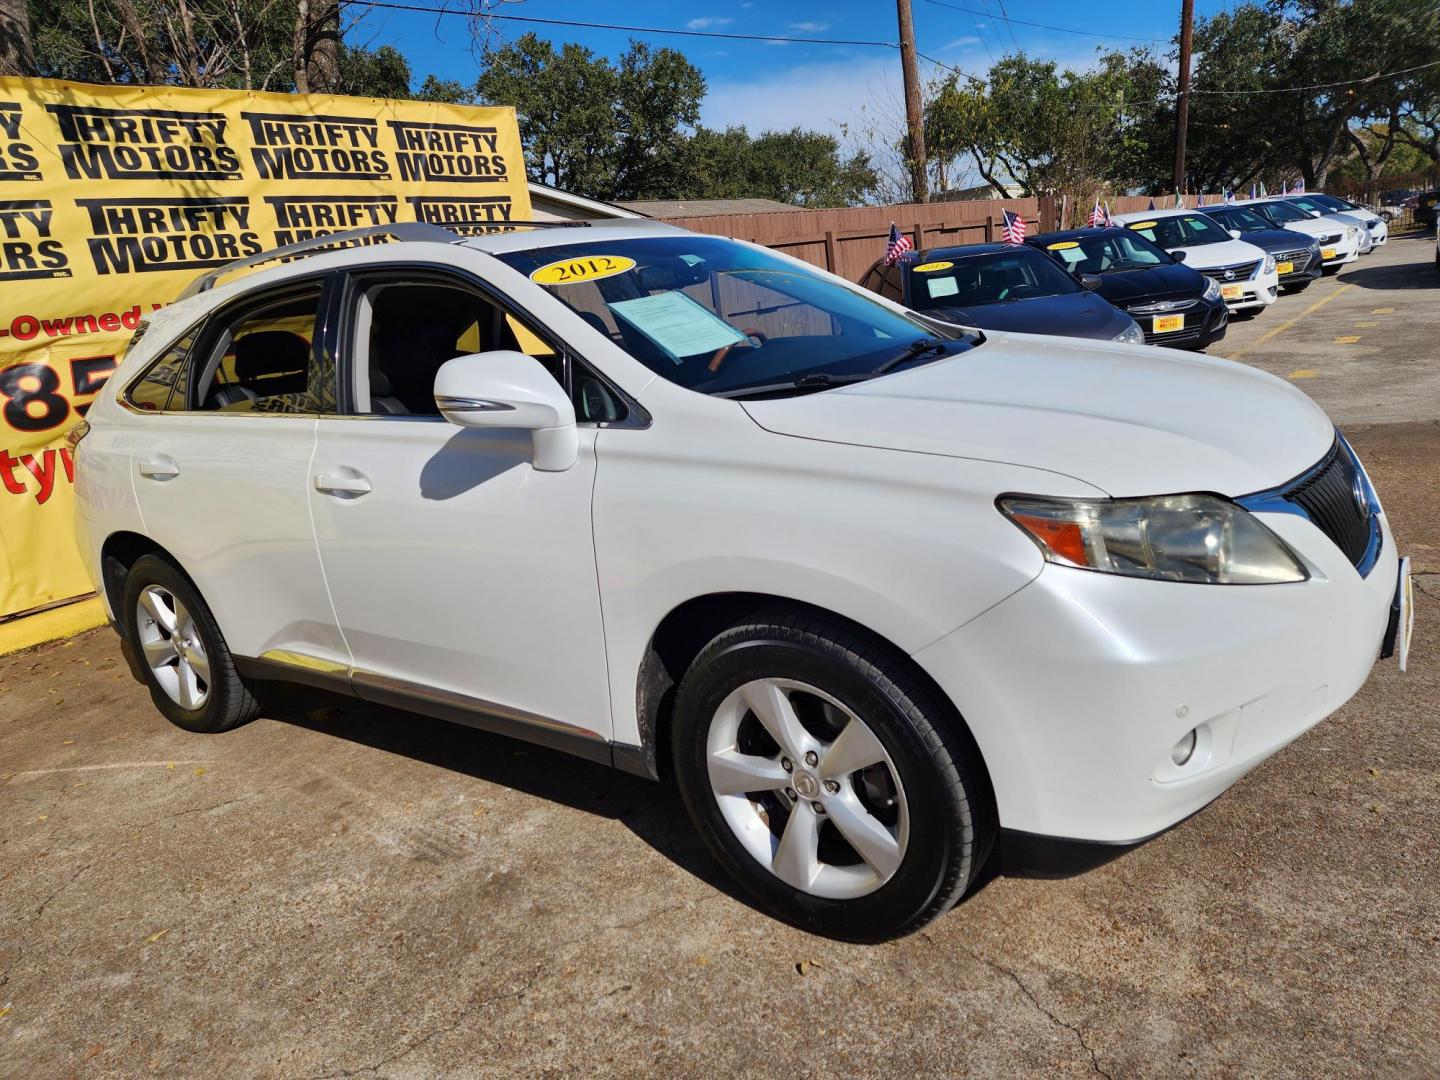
(827, 778)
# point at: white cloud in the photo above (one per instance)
(809, 27)
(818, 96)
(707, 22)
(960, 43)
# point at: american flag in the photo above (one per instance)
(1300, 186)
(1285, 188)
(1252, 189)
(1097, 216)
(1109, 217)
(1151, 206)
(1013, 229)
(899, 244)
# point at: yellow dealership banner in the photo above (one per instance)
(114, 198)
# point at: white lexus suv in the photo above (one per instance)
(887, 597)
(1246, 274)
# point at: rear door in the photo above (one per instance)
(222, 472)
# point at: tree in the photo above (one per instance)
(806, 168)
(589, 126)
(381, 72)
(17, 56)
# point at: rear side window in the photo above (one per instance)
(264, 360)
(163, 386)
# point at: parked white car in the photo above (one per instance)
(888, 597)
(1245, 273)
(1340, 242)
(1371, 220)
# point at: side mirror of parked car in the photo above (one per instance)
(1091, 281)
(1314, 213)
(1178, 256)
(1235, 234)
(507, 389)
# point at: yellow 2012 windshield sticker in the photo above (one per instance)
(1143, 224)
(1062, 245)
(929, 268)
(589, 268)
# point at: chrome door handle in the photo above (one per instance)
(331, 484)
(161, 468)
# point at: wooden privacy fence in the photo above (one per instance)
(846, 242)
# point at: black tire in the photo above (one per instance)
(951, 830)
(230, 700)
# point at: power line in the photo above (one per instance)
(393, 5)
(1323, 86)
(1045, 26)
(1009, 26)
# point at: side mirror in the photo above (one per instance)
(1178, 256)
(1235, 234)
(510, 390)
(1315, 213)
(1092, 282)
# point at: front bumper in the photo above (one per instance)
(1205, 322)
(1259, 291)
(1077, 687)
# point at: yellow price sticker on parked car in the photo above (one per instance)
(1144, 224)
(1327, 254)
(1231, 292)
(1284, 268)
(1165, 324)
(590, 268)
(1061, 245)
(930, 268)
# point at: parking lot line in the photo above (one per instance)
(1368, 324)
(1382, 311)
(1304, 373)
(1347, 339)
(1286, 325)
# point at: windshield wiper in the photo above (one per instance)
(817, 380)
(916, 349)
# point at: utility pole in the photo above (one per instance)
(914, 119)
(1182, 101)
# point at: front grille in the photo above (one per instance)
(1327, 495)
(1241, 272)
(1331, 238)
(1300, 259)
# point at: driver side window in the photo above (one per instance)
(406, 330)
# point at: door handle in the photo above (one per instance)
(333, 484)
(160, 468)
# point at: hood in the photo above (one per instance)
(1081, 315)
(1273, 240)
(1173, 281)
(1127, 419)
(1225, 253)
(1316, 227)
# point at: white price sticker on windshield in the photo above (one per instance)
(677, 324)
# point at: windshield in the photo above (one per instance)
(1307, 203)
(1333, 203)
(961, 280)
(1283, 213)
(1107, 254)
(1238, 217)
(1181, 230)
(718, 317)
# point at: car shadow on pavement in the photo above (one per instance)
(1420, 274)
(653, 812)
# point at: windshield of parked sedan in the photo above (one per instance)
(1107, 254)
(1283, 213)
(958, 280)
(1307, 203)
(1181, 230)
(1241, 218)
(718, 317)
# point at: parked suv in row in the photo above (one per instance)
(886, 597)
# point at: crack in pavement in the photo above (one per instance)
(1039, 1007)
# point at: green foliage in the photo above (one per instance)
(806, 168)
(382, 72)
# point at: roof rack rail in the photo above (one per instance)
(403, 230)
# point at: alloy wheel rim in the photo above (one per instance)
(807, 788)
(172, 647)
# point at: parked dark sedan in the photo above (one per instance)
(1175, 305)
(1001, 287)
(1300, 253)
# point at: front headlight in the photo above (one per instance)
(1131, 335)
(1350, 232)
(1212, 289)
(1269, 265)
(1194, 538)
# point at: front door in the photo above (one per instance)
(463, 579)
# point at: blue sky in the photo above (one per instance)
(780, 85)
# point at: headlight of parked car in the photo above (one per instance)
(1350, 232)
(1131, 335)
(1269, 264)
(1212, 289)
(1193, 538)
